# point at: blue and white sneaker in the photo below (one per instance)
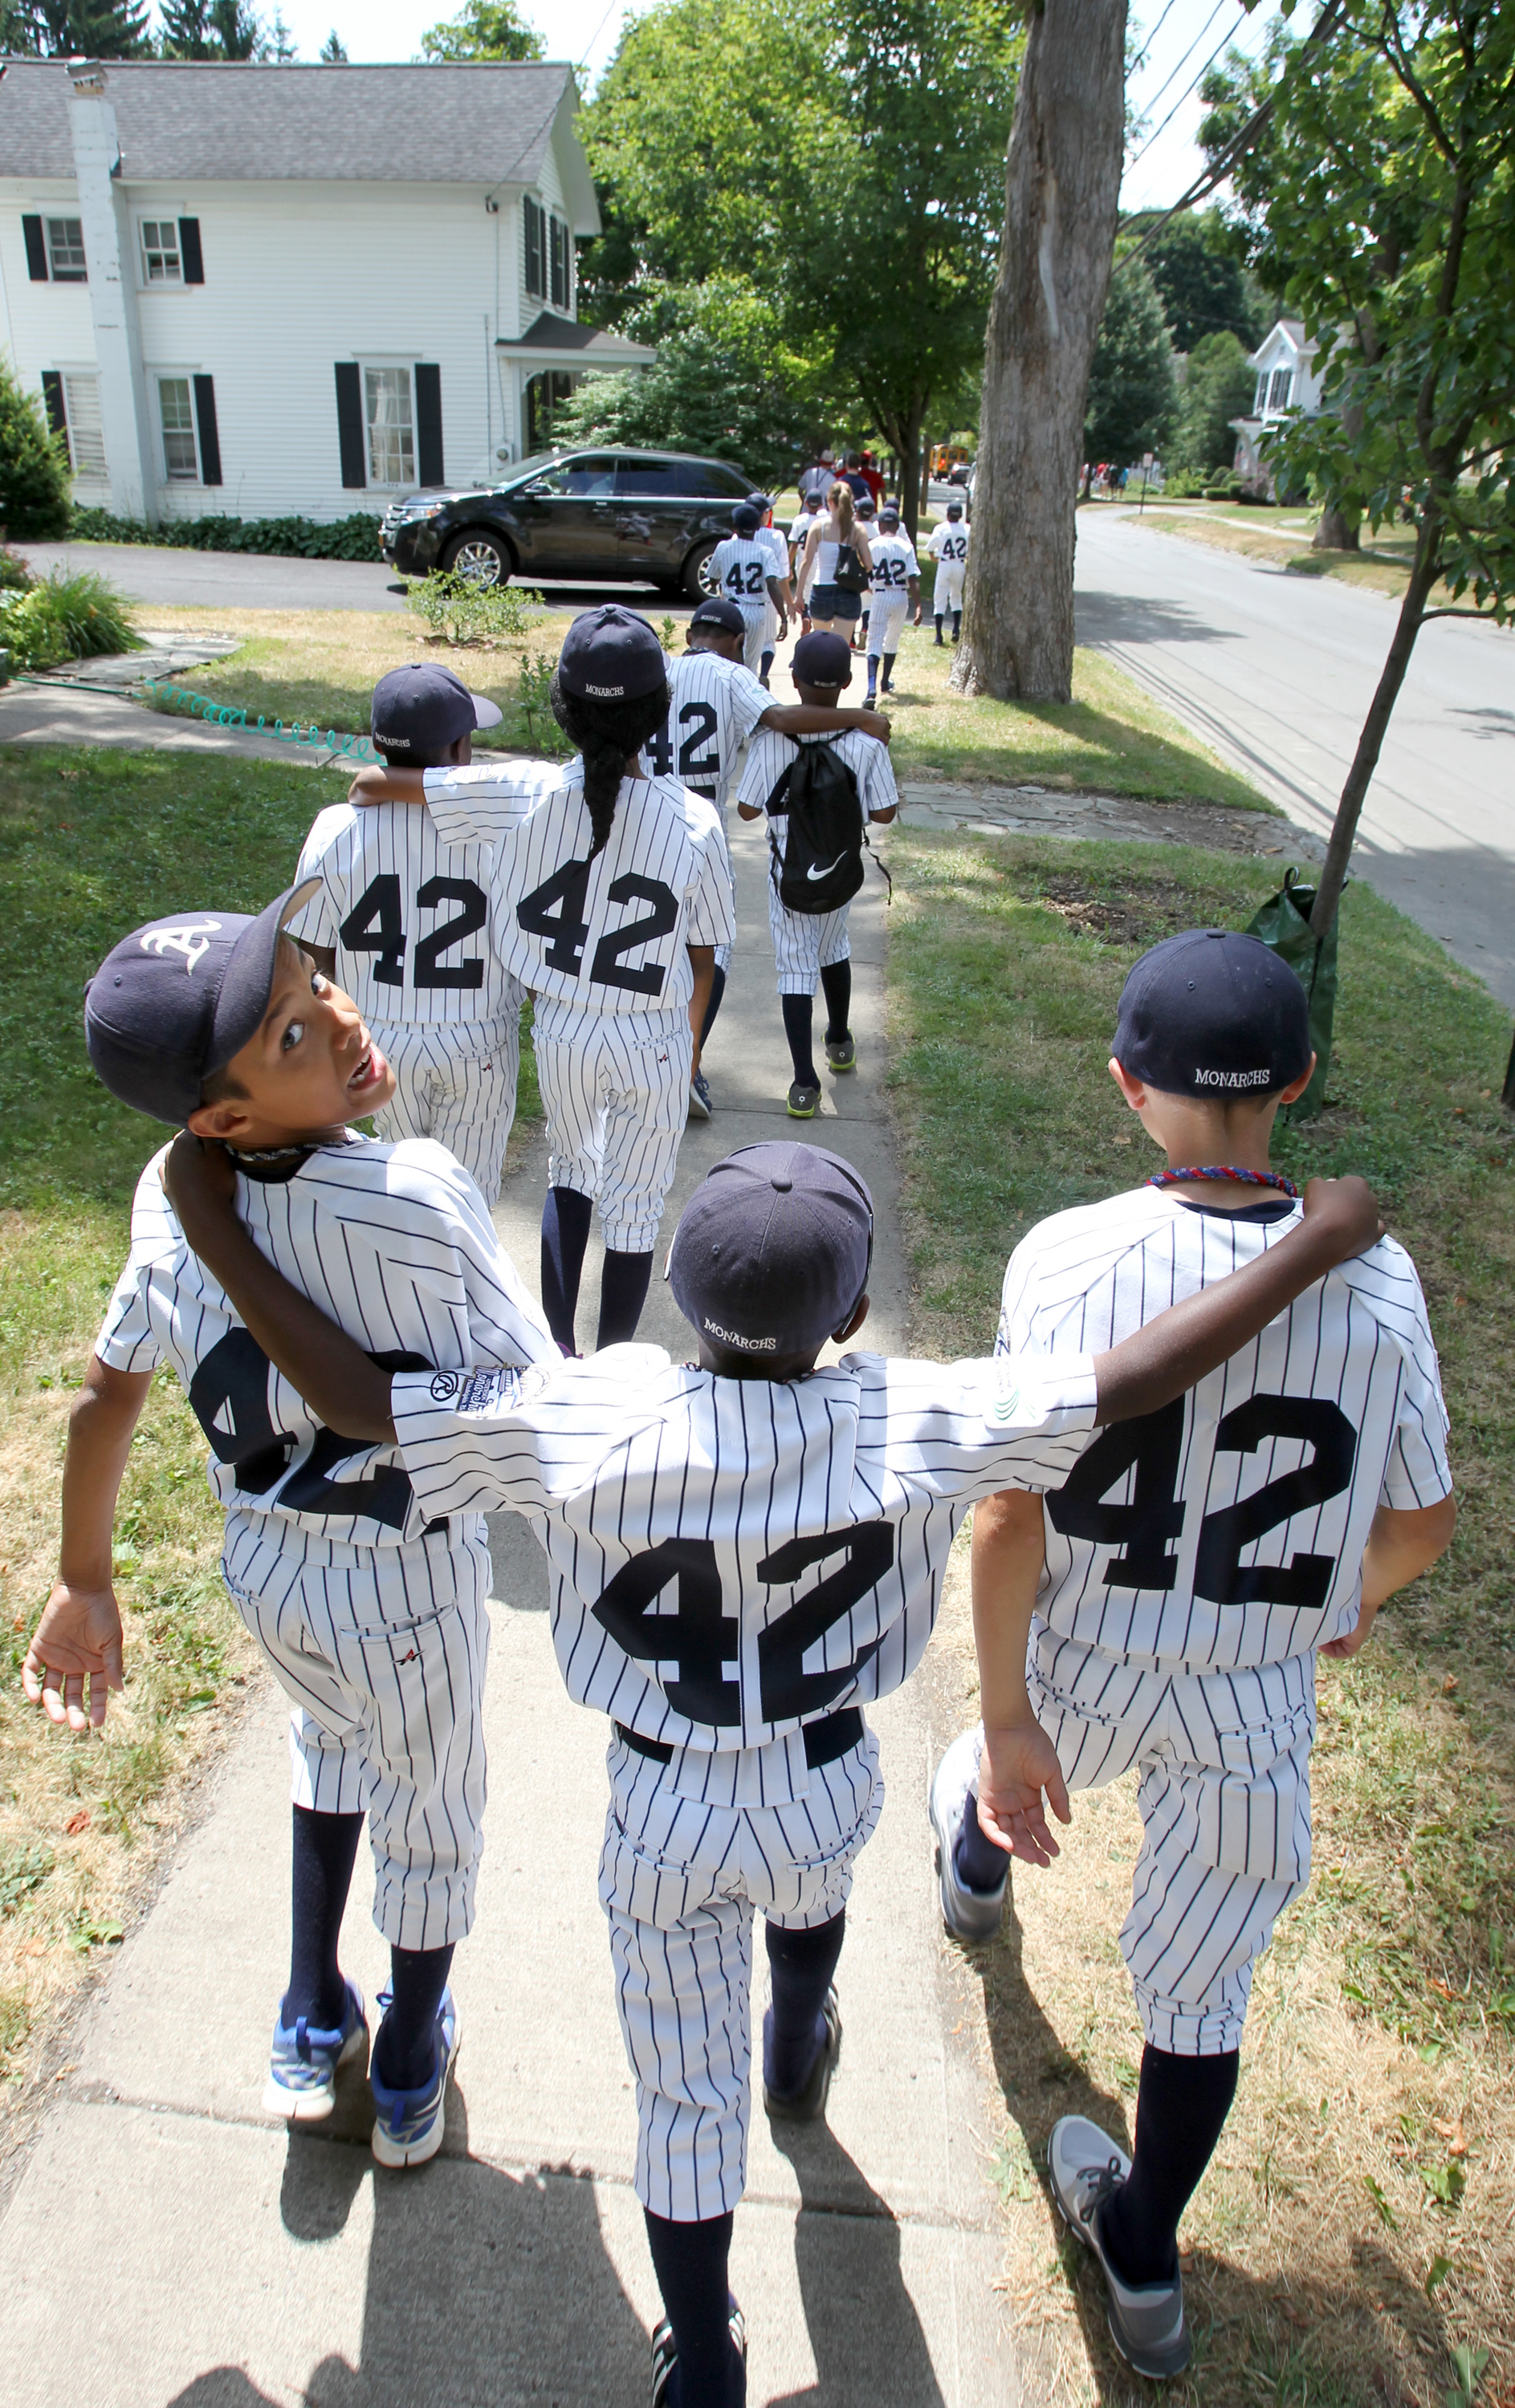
(410, 2122)
(302, 2066)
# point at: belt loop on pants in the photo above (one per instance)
(832, 1736)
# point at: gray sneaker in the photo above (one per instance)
(1147, 2322)
(968, 1913)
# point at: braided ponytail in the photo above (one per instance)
(607, 734)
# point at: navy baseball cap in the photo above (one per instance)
(888, 515)
(718, 612)
(864, 507)
(611, 656)
(419, 713)
(953, 510)
(1213, 1013)
(760, 502)
(821, 658)
(745, 518)
(177, 1000)
(771, 1254)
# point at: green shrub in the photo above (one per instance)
(461, 612)
(294, 539)
(15, 577)
(64, 618)
(1223, 489)
(34, 468)
(1184, 485)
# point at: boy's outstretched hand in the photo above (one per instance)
(1018, 1764)
(77, 1638)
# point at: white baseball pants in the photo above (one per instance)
(382, 1652)
(805, 943)
(756, 616)
(886, 625)
(946, 592)
(1224, 1796)
(681, 1877)
(616, 1095)
(455, 1082)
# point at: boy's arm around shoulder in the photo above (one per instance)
(385, 783)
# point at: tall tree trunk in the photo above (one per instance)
(1062, 178)
(1375, 726)
(1337, 530)
(909, 474)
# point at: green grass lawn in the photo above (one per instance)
(92, 844)
(1006, 959)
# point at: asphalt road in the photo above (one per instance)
(1276, 671)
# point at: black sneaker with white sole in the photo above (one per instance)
(971, 1914)
(808, 2106)
(665, 2357)
(1147, 2320)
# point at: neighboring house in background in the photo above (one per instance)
(1287, 384)
(269, 290)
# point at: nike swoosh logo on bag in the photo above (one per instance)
(830, 867)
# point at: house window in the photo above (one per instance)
(543, 394)
(65, 250)
(1283, 385)
(86, 437)
(390, 420)
(1261, 401)
(177, 413)
(534, 220)
(161, 261)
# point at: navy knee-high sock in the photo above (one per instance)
(764, 666)
(565, 1233)
(801, 1965)
(1181, 2106)
(690, 2262)
(623, 1292)
(890, 659)
(799, 1012)
(321, 1852)
(405, 2052)
(836, 986)
(977, 1861)
(718, 989)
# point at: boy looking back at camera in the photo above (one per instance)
(370, 1609)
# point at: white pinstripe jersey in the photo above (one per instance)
(950, 542)
(772, 541)
(740, 567)
(1229, 1528)
(607, 935)
(800, 527)
(894, 564)
(396, 1243)
(733, 1557)
(716, 704)
(769, 754)
(406, 914)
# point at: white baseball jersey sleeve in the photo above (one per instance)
(771, 753)
(607, 935)
(395, 1244)
(1228, 1529)
(732, 1558)
(407, 916)
(716, 704)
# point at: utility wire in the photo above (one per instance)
(1221, 44)
(1138, 64)
(1193, 45)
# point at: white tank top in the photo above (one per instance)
(825, 553)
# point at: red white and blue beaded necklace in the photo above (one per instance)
(1225, 1170)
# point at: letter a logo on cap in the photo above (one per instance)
(192, 940)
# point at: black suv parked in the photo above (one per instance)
(652, 516)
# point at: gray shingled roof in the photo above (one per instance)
(547, 332)
(477, 124)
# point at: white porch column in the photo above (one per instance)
(124, 418)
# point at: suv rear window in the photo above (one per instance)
(713, 477)
(641, 479)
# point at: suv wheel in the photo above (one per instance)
(696, 581)
(482, 558)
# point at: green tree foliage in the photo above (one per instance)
(484, 29)
(1201, 282)
(724, 384)
(1219, 386)
(844, 161)
(332, 52)
(93, 29)
(1383, 199)
(1132, 388)
(34, 473)
(212, 29)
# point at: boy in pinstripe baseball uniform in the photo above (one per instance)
(896, 594)
(715, 705)
(743, 1552)
(401, 924)
(808, 946)
(370, 1611)
(774, 542)
(1165, 1608)
(745, 569)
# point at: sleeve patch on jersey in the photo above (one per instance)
(444, 1387)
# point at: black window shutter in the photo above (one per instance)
(192, 257)
(428, 427)
(533, 250)
(52, 396)
(36, 250)
(204, 418)
(349, 422)
(555, 232)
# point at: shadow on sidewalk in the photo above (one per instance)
(864, 2332)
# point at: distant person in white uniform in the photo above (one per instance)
(948, 548)
(769, 534)
(896, 596)
(747, 571)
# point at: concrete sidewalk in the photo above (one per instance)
(166, 2244)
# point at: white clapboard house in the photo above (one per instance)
(267, 290)
(1288, 385)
